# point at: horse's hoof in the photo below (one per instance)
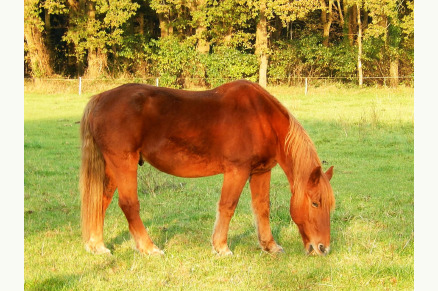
(223, 252)
(277, 249)
(156, 252)
(273, 249)
(153, 251)
(97, 249)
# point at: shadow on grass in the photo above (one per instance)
(118, 240)
(61, 282)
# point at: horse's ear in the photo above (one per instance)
(329, 173)
(314, 176)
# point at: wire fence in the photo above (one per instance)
(88, 85)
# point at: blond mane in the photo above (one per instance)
(302, 154)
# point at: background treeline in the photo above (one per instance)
(208, 42)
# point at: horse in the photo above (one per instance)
(237, 129)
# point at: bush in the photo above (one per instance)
(133, 56)
(307, 57)
(284, 62)
(176, 62)
(227, 63)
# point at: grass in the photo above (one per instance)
(366, 134)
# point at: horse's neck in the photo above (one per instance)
(298, 175)
(299, 156)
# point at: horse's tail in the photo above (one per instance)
(92, 176)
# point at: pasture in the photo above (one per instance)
(367, 134)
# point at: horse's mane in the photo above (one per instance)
(300, 148)
(304, 158)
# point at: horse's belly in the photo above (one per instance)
(183, 163)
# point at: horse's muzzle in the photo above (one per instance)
(321, 250)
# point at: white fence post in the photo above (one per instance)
(80, 85)
(156, 82)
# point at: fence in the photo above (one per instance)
(85, 85)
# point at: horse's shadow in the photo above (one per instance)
(161, 236)
(166, 233)
(118, 240)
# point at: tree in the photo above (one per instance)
(39, 55)
(326, 18)
(198, 11)
(268, 9)
(261, 47)
(188, 17)
(95, 27)
(165, 10)
(127, 37)
(355, 8)
(387, 25)
(231, 23)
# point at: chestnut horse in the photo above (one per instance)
(238, 130)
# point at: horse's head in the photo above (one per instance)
(310, 210)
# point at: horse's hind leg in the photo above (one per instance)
(234, 181)
(259, 185)
(110, 187)
(126, 178)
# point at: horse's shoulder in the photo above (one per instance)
(245, 92)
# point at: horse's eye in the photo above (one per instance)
(314, 204)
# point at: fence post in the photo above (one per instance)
(80, 85)
(156, 82)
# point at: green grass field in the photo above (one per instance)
(367, 134)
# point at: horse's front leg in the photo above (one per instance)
(259, 185)
(232, 187)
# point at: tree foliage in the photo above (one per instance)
(185, 41)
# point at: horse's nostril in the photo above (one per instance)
(322, 248)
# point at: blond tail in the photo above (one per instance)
(92, 175)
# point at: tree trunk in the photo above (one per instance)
(228, 36)
(47, 25)
(164, 25)
(341, 13)
(141, 23)
(359, 44)
(38, 52)
(326, 18)
(202, 46)
(97, 63)
(352, 23)
(97, 58)
(344, 15)
(76, 8)
(263, 72)
(198, 9)
(262, 44)
(391, 49)
(290, 30)
(278, 26)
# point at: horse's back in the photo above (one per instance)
(188, 133)
(239, 95)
